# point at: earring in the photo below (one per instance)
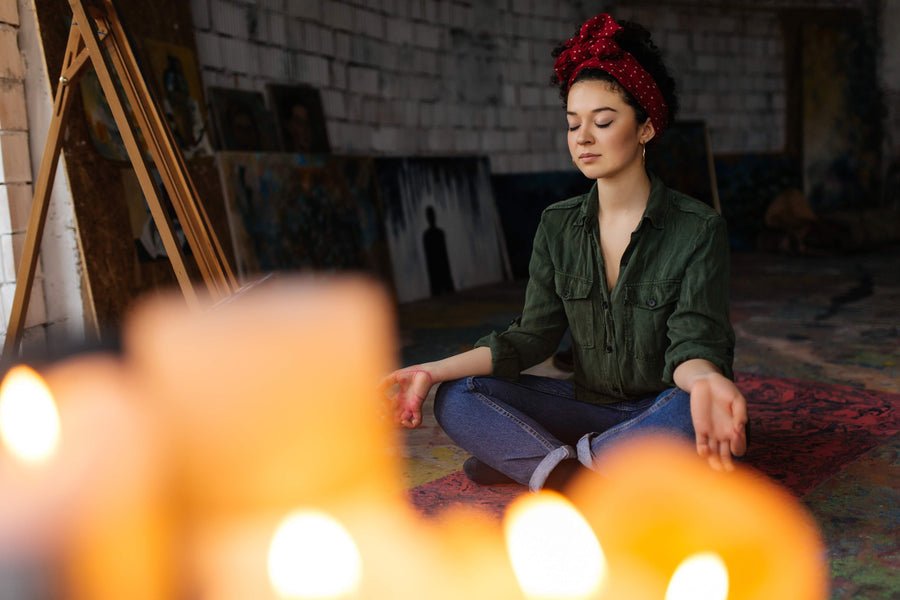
(644, 153)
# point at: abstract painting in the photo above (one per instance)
(295, 212)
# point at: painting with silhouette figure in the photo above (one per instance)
(442, 226)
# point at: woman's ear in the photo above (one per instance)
(647, 131)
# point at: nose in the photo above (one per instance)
(583, 138)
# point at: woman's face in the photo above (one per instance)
(604, 135)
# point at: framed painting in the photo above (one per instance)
(301, 120)
(179, 90)
(441, 224)
(296, 212)
(242, 121)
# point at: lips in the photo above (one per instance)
(588, 157)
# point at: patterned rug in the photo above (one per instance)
(803, 433)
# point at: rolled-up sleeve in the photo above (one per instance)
(700, 326)
(534, 336)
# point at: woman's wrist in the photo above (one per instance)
(421, 369)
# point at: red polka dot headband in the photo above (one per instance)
(594, 47)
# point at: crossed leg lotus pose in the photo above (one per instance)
(636, 271)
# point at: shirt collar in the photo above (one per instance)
(655, 213)
(657, 203)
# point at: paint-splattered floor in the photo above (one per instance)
(830, 319)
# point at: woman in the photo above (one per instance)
(636, 271)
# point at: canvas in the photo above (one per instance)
(173, 69)
(101, 125)
(841, 139)
(300, 118)
(442, 226)
(682, 158)
(147, 241)
(242, 121)
(292, 212)
(521, 198)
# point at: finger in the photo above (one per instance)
(702, 444)
(739, 442)
(725, 456)
(713, 456)
(739, 412)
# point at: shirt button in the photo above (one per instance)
(566, 294)
(651, 302)
(609, 349)
(605, 305)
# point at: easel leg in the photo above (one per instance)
(73, 65)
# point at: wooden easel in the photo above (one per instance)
(97, 37)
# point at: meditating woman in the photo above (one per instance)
(638, 273)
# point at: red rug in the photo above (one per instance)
(803, 432)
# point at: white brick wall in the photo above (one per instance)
(478, 71)
(55, 311)
(404, 76)
(15, 169)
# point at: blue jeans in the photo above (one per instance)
(525, 428)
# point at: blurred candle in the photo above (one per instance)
(270, 403)
(313, 556)
(665, 517)
(117, 531)
(702, 576)
(29, 420)
(554, 552)
(89, 513)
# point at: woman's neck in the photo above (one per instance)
(625, 192)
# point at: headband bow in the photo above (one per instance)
(595, 47)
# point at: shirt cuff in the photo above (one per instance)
(504, 359)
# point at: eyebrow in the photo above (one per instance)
(595, 111)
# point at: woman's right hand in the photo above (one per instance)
(407, 389)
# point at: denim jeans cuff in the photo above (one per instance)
(542, 471)
(585, 456)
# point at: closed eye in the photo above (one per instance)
(603, 125)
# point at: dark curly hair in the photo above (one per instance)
(634, 39)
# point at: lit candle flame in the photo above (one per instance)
(313, 556)
(702, 576)
(29, 420)
(553, 549)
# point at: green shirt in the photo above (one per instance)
(669, 304)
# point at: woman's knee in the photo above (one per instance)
(448, 397)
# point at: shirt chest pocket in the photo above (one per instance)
(647, 310)
(575, 293)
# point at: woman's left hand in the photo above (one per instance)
(719, 413)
